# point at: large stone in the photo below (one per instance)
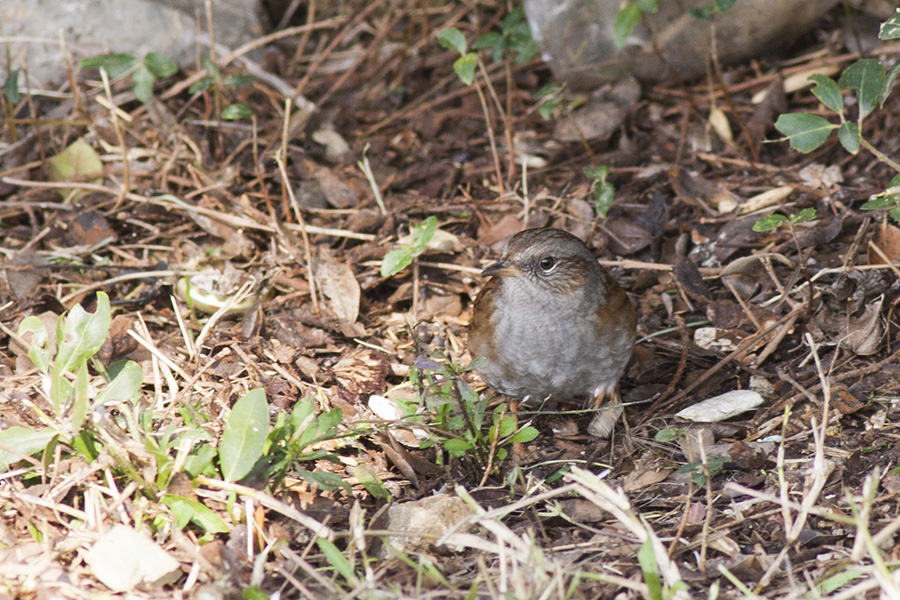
(34, 29)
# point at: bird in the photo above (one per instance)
(551, 322)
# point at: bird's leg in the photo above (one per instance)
(605, 420)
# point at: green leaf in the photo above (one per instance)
(807, 214)
(202, 84)
(769, 222)
(81, 399)
(395, 261)
(881, 202)
(370, 480)
(523, 45)
(626, 20)
(452, 39)
(668, 434)
(867, 77)
(512, 21)
(238, 80)
(160, 65)
(78, 161)
(211, 67)
(327, 423)
(848, 134)
(456, 446)
(423, 233)
(11, 86)
(23, 440)
(548, 107)
(338, 561)
(236, 111)
(648, 6)
(254, 592)
(115, 64)
(491, 39)
(894, 182)
(836, 582)
(895, 214)
(82, 334)
(399, 258)
(647, 561)
(245, 435)
(524, 435)
(464, 66)
(805, 132)
(890, 29)
(142, 84)
(889, 82)
(187, 511)
(828, 92)
(703, 13)
(302, 416)
(506, 426)
(199, 459)
(61, 390)
(125, 383)
(604, 194)
(723, 5)
(324, 479)
(38, 352)
(599, 173)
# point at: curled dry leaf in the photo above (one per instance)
(864, 333)
(719, 123)
(335, 145)
(887, 239)
(626, 237)
(766, 199)
(818, 175)
(339, 284)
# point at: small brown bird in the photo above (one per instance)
(551, 322)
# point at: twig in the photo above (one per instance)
(366, 168)
(744, 347)
(286, 185)
(319, 529)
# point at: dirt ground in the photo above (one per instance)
(294, 214)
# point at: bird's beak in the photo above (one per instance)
(502, 268)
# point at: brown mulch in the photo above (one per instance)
(802, 315)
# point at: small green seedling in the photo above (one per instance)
(774, 220)
(889, 198)
(144, 73)
(700, 474)
(604, 192)
(215, 81)
(871, 83)
(469, 428)
(464, 66)
(514, 38)
(628, 18)
(399, 258)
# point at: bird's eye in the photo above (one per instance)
(547, 263)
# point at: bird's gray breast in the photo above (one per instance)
(549, 342)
